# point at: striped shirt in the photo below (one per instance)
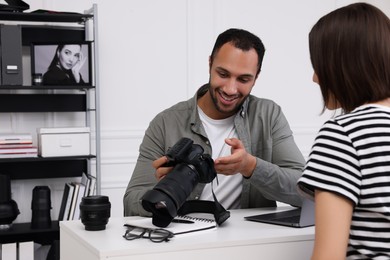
(351, 157)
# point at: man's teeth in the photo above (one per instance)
(227, 98)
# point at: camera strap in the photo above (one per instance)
(205, 206)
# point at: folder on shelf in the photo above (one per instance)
(65, 202)
(26, 250)
(84, 180)
(80, 195)
(68, 201)
(82, 192)
(11, 54)
(76, 186)
(92, 185)
(8, 251)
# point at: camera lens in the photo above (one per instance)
(191, 167)
(8, 207)
(170, 193)
(41, 206)
(95, 212)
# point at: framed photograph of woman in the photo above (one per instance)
(62, 63)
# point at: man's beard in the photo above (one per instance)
(219, 108)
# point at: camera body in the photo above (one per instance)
(192, 155)
(191, 166)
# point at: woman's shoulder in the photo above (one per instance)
(54, 75)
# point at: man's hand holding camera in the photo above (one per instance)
(240, 161)
(161, 171)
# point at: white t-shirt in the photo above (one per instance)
(228, 190)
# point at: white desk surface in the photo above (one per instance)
(236, 238)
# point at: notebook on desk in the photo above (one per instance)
(179, 225)
(299, 217)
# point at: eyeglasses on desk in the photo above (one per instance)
(157, 235)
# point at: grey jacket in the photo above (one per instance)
(262, 128)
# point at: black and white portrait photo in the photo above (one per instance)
(62, 64)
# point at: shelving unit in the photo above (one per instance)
(48, 28)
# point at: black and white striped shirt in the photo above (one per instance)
(351, 157)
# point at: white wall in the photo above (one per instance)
(154, 53)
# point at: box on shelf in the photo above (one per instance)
(69, 141)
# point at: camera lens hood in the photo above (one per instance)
(161, 206)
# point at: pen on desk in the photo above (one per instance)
(183, 221)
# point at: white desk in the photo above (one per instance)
(235, 239)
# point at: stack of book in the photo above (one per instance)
(17, 145)
(73, 193)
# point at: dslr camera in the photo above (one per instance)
(191, 166)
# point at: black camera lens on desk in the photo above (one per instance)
(8, 208)
(41, 206)
(95, 212)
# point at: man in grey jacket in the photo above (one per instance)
(255, 156)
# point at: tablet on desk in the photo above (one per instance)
(299, 217)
